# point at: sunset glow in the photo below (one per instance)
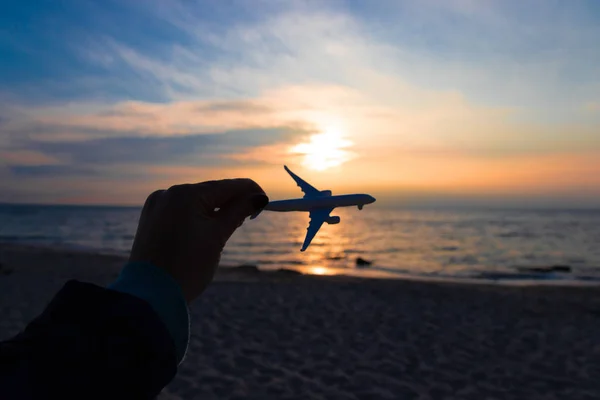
(422, 99)
(318, 271)
(324, 150)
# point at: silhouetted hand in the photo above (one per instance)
(184, 229)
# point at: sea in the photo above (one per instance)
(468, 244)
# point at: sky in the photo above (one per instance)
(416, 102)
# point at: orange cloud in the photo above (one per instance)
(27, 158)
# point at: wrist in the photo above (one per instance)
(164, 294)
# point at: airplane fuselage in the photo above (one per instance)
(312, 203)
(318, 203)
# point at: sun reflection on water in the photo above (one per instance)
(326, 246)
(418, 242)
(318, 271)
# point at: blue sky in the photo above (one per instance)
(102, 101)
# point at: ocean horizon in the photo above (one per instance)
(444, 242)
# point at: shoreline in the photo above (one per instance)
(246, 272)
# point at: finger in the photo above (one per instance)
(218, 194)
(153, 198)
(232, 215)
(150, 202)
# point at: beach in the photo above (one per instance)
(280, 335)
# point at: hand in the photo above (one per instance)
(184, 229)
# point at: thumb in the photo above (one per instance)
(233, 215)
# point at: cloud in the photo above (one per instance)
(58, 159)
(186, 87)
(143, 118)
(27, 158)
(480, 72)
(499, 52)
(190, 149)
(51, 171)
(404, 120)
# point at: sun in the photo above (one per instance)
(324, 150)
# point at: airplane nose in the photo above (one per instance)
(371, 199)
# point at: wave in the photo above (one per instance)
(26, 238)
(517, 234)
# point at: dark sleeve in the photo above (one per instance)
(89, 343)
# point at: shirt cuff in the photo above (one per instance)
(157, 287)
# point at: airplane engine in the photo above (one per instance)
(326, 192)
(333, 220)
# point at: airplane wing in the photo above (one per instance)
(309, 190)
(317, 218)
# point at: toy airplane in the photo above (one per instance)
(319, 203)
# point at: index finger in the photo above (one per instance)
(216, 194)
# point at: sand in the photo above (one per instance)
(280, 336)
